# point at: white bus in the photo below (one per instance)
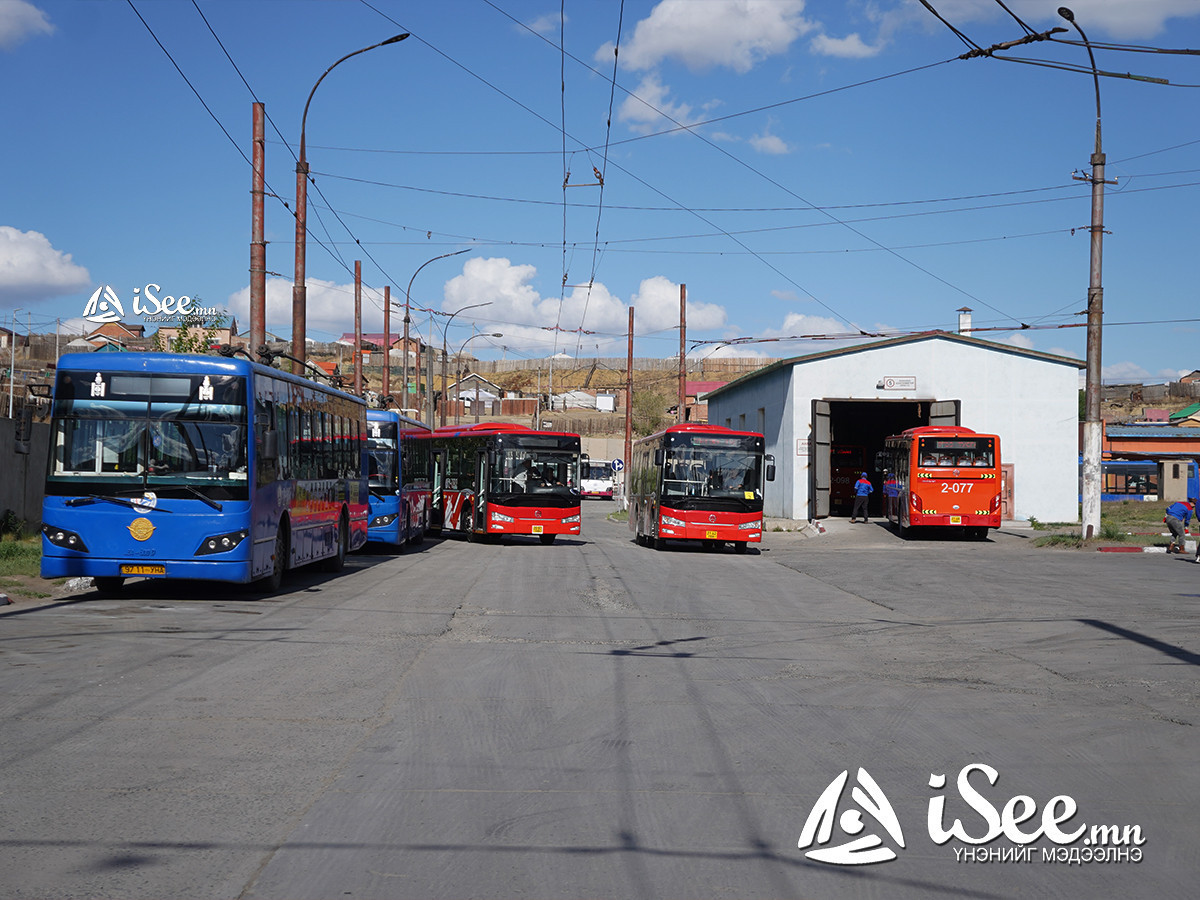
(597, 478)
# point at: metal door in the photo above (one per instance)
(1007, 492)
(944, 412)
(821, 438)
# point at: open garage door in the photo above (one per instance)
(944, 412)
(820, 457)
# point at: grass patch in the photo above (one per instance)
(1132, 522)
(20, 557)
(620, 515)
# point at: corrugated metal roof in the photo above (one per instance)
(898, 342)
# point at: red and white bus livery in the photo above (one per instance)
(493, 479)
(698, 483)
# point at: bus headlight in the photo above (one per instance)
(570, 519)
(68, 540)
(221, 543)
(746, 526)
(383, 521)
(673, 522)
(501, 517)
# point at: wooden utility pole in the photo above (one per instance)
(682, 413)
(258, 246)
(387, 341)
(358, 373)
(628, 414)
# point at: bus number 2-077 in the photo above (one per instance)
(958, 488)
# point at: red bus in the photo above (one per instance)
(942, 475)
(493, 479)
(846, 463)
(700, 483)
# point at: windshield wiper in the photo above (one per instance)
(215, 504)
(121, 501)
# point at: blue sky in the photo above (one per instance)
(805, 168)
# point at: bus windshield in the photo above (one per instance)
(719, 473)
(146, 430)
(528, 471)
(381, 457)
(957, 452)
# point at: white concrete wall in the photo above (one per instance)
(1031, 403)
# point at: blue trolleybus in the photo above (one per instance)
(171, 466)
(398, 474)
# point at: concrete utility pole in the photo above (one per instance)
(258, 245)
(1093, 424)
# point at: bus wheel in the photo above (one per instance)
(659, 543)
(337, 562)
(546, 538)
(109, 584)
(739, 546)
(273, 582)
(979, 533)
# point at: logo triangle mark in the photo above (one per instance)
(864, 850)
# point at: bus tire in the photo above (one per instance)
(739, 546)
(546, 538)
(108, 584)
(273, 582)
(660, 543)
(337, 562)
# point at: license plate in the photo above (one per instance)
(710, 535)
(956, 520)
(537, 529)
(143, 570)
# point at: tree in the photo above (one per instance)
(195, 334)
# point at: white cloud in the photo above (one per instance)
(648, 108)
(734, 34)
(656, 306)
(19, 20)
(1108, 18)
(329, 309)
(765, 142)
(1122, 373)
(1021, 341)
(850, 47)
(32, 270)
(550, 23)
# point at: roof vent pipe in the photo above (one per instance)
(964, 320)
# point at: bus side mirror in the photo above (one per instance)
(659, 456)
(770, 468)
(491, 459)
(270, 447)
(584, 459)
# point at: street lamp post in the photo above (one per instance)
(445, 330)
(12, 371)
(458, 370)
(299, 291)
(1093, 425)
(407, 304)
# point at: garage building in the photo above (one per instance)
(825, 415)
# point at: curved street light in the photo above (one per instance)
(458, 374)
(407, 304)
(1093, 425)
(299, 291)
(445, 329)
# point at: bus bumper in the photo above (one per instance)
(56, 565)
